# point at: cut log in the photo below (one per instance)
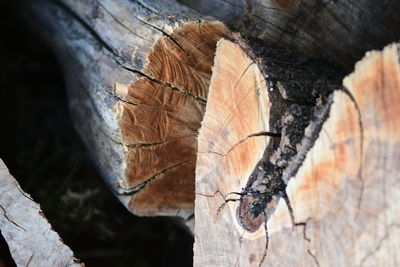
(30, 238)
(333, 204)
(343, 29)
(137, 76)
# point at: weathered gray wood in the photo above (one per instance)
(137, 75)
(342, 29)
(30, 238)
(231, 12)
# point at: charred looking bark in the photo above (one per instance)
(300, 88)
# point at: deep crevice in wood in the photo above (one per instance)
(266, 244)
(168, 35)
(300, 89)
(133, 190)
(10, 220)
(118, 59)
(270, 134)
(119, 22)
(168, 85)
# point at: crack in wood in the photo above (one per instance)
(240, 247)
(304, 225)
(119, 60)
(168, 36)
(168, 85)
(140, 145)
(143, 5)
(24, 194)
(258, 134)
(313, 257)
(121, 99)
(9, 219)
(224, 197)
(361, 166)
(241, 76)
(30, 260)
(297, 113)
(86, 26)
(380, 243)
(206, 195)
(130, 191)
(120, 22)
(226, 200)
(266, 243)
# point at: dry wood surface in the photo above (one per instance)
(30, 238)
(137, 79)
(341, 202)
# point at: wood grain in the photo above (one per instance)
(137, 75)
(342, 29)
(343, 198)
(238, 106)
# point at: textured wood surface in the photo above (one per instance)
(238, 106)
(137, 75)
(30, 238)
(343, 199)
(342, 29)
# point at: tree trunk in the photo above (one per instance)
(342, 29)
(334, 201)
(137, 77)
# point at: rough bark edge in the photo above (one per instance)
(30, 237)
(104, 59)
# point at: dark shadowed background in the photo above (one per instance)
(41, 149)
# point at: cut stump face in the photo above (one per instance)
(137, 83)
(238, 107)
(160, 117)
(343, 198)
